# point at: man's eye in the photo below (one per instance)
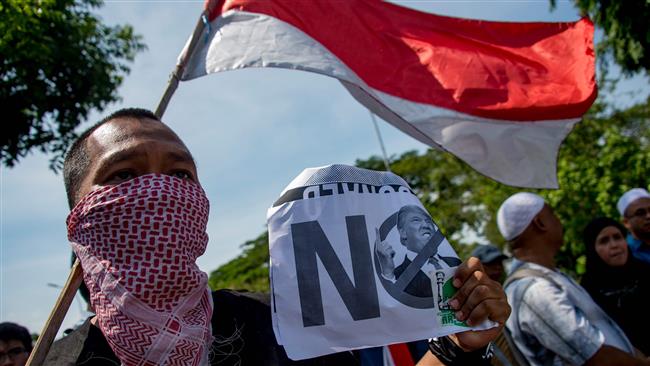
(182, 174)
(120, 176)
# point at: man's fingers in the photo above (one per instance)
(465, 270)
(496, 310)
(468, 285)
(478, 297)
(480, 294)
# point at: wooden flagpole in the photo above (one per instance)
(174, 78)
(42, 347)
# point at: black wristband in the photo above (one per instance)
(450, 354)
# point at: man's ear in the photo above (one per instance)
(539, 223)
(627, 224)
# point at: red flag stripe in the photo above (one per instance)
(519, 153)
(401, 354)
(499, 70)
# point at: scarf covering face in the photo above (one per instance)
(138, 243)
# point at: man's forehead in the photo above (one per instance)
(638, 203)
(120, 131)
(416, 211)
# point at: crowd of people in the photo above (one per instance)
(556, 321)
(131, 164)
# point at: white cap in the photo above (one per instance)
(629, 197)
(517, 212)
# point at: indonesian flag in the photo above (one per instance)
(501, 96)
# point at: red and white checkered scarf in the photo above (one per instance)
(138, 243)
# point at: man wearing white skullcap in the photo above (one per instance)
(634, 207)
(516, 213)
(554, 321)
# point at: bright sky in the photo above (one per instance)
(251, 132)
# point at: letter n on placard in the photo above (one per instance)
(360, 298)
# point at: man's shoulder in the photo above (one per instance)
(638, 249)
(526, 273)
(232, 308)
(243, 331)
(530, 282)
(236, 297)
(402, 267)
(66, 350)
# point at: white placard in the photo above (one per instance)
(356, 262)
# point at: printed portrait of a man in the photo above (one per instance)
(416, 229)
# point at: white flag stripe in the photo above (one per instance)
(512, 152)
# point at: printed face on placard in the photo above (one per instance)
(408, 280)
(415, 228)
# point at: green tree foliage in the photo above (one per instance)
(58, 63)
(607, 154)
(626, 33)
(248, 271)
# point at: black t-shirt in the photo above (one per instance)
(241, 325)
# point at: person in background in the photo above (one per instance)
(618, 282)
(492, 259)
(15, 344)
(634, 207)
(554, 321)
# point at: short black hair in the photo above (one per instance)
(12, 331)
(76, 162)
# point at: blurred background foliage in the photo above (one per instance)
(59, 63)
(606, 154)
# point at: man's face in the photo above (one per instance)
(125, 148)
(555, 232)
(13, 353)
(416, 231)
(637, 219)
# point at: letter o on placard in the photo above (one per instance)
(398, 293)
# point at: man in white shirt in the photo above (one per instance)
(554, 321)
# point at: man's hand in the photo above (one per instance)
(385, 254)
(478, 298)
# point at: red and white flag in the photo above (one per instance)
(501, 96)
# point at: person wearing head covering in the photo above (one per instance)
(617, 281)
(554, 321)
(138, 224)
(634, 207)
(492, 259)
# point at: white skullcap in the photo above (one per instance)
(629, 197)
(517, 212)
